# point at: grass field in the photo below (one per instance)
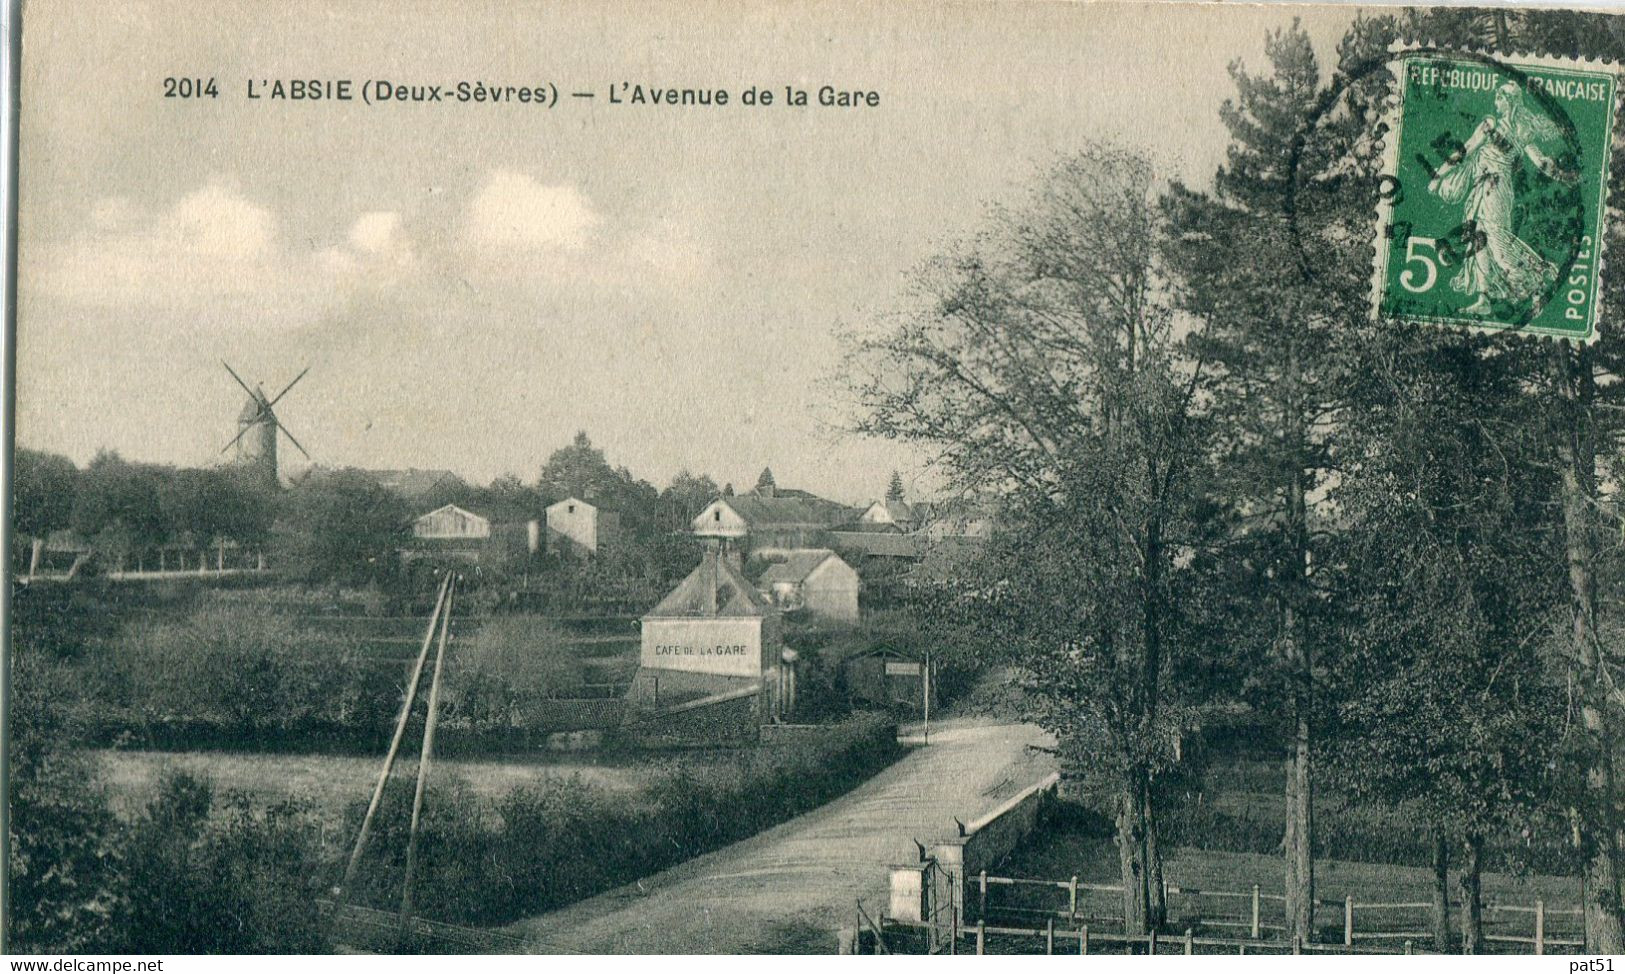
(1230, 843)
(330, 782)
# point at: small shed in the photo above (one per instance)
(891, 678)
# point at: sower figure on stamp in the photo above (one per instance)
(1500, 266)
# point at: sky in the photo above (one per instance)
(470, 284)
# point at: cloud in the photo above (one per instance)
(375, 253)
(375, 232)
(513, 210)
(211, 243)
(216, 223)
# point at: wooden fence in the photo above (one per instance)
(889, 936)
(1256, 914)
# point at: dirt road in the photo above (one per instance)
(790, 888)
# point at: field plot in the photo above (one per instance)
(1373, 877)
(331, 782)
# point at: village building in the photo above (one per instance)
(887, 515)
(578, 526)
(770, 521)
(714, 635)
(453, 533)
(816, 581)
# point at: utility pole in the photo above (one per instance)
(423, 759)
(394, 745)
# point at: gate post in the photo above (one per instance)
(1255, 911)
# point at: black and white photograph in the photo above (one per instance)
(911, 477)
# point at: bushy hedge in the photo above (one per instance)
(188, 874)
(512, 666)
(205, 875)
(493, 861)
(236, 672)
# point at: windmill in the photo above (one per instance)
(257, 427)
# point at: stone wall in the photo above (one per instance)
(986, 841)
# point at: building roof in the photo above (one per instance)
(781, 511)
(252, 410)
(410, 483)
(896, 510)
(870, 527)
(795, 568)
(878, 544)
(413, 482)
(454, 508)
(714, 589)
(572, 499)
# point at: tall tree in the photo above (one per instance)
(1274, 341)
(894, 489)
(1448, 568)
(1585, 398)
(684, 498)
(578, 470)
(765, 480)
(42, 486)
(343, 528)
(118, 507)
(1038, 364)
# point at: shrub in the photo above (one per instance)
(511, 664)
(61, 838)
(210, 877)
(541, 847)
(240, 672)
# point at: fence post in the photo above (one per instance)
(981, 906)
(1255, 911)
(1151, 942)
(981, 937)
(1540, 926)
(1348, 921)
(1083, 940)
(953, 928)
(1049, 937)
(1407, 948)
(1297, 944)
(1190, 941)
(1072, 899)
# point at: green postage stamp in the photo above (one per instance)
(1494, 194)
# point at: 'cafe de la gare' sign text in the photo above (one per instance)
(680, 649)
(727, 647)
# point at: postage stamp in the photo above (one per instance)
(1493, 194)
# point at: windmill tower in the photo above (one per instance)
(257, 427)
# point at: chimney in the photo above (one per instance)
(713, 562)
